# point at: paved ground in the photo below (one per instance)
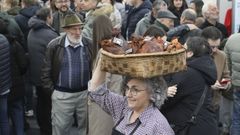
(34, 128)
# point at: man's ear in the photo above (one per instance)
(206, 15)
(182, 19)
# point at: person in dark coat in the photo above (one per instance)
(149, 19)
(183, 31)
(201, 72)
(177, 7)
(18, 67)
(13, 28)
(66, 72)
(135, 14)
(210, 13)
(29, 9)
(165, 20)
(63, 9)
(5, 83)
(40, 34)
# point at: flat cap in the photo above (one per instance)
(166, 14)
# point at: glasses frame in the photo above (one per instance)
(132, 90)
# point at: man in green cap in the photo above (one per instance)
(66, 73)
(63, 9)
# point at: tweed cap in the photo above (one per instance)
(71, 20)
(166, 14)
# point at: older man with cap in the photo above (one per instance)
(66, 72)
(149, 19)
(165, 20)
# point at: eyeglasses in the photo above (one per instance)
(132, 90)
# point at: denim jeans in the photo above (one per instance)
(235, 128)
(29, 92)
(4, 125)
(16, 114)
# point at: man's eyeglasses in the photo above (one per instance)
(132, 90)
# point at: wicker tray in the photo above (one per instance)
(144, 65)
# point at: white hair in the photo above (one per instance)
(206, 7)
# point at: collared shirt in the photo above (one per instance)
(152, 120)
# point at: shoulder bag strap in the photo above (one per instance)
(200, 103)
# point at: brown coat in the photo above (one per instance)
(220, 60)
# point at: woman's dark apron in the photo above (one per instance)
(116, 132)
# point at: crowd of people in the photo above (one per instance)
(51, 48)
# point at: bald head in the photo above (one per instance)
(188, 16)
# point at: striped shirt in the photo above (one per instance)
(75, 67)
(152, 120)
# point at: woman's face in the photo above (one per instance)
(178, 3)
(192, 6)
(138, 95)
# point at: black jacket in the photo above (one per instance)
(53, 59)
(5, 73)
(13, 29)
(19, 63)
(23, 17)
(183, 32)
(133, 17)
(38, 38)
(201, 71)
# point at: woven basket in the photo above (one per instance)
(144, 65)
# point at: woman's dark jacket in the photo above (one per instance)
(200, 72)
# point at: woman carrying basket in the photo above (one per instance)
(136, 113)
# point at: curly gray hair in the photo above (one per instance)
(157, 89)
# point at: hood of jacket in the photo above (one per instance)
(14, 10)
(35, 23)
(29, 11)
(206, 66)
(103, 9)
(145, 5)
(148, 18)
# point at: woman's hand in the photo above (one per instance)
(172, 90)
(216, 86)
